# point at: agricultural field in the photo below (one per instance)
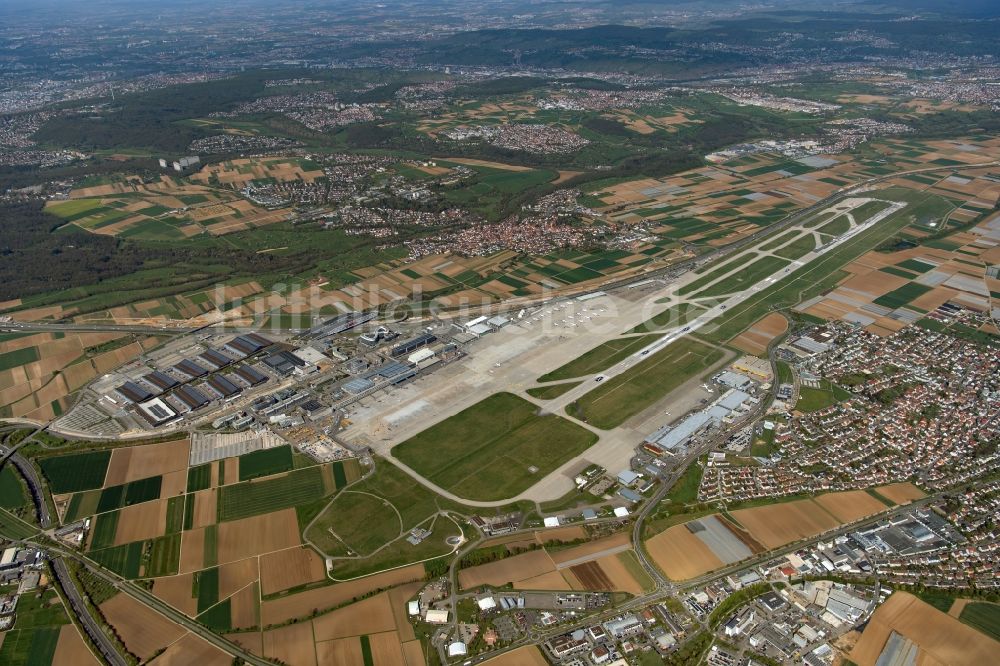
(485, 463)
(937, 635)
(174, 209)
(695, 547)
(40, 372)
(756, 339)
(984, 616)
(42, 629)
(605, 564)
(622, 397)
(928, 266)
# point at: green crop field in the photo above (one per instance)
(76, 471)
(619, 398)
(815, 399)
(124, 560)
(33, 639)
(18, 357)
(265, 462)
(199, 478)
(206, 588)
(599, 358)
(175, 514)
(133, 492)
(219, 617)
(485, 451)
(901, 296)
(246, 499)
(82, 505)
(11, 490)
(552, 391)
(105, 527)
(983, 616)
(164, 556)
(362, 522)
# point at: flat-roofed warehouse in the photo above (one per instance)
(413, 345)
(191, 369)
(160, 380)
(223, 386)
(133, 392)
(341, 323)
(247, 345)
(156, 412)
(192, 397)
(249, 375)
(284, 362)
(215, 360)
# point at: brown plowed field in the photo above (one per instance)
(174, 484)
(281, 610)
(239, 539)
(519, 567)
(386, 649)
(141, 521)
(192, 551)
(615, 570)
(293, 645)
(144, 631)
(592, 577)
(591, 548)
(398, 596)
(755, 339)
(288, 568)
(140, 462)
(368, 616)
(192, 650)
(244, 613)
(778, 524)
(553, 580)
(235, 576)
(176, 591)
(900, 493)
(938, 635)
(341, 651)
(529, 655)
(205, 507)
(850, 506)
(680, 554)
(253, 642)
(71, 650)
(413, 652)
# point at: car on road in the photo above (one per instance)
(599, 379)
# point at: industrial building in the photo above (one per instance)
(673, 439)
(161, 381)
(284, 362)
(246, 345)
(155, 412)
(190, 369)
(133, 392)
(215, 360)
(191, 397)
(223, 386)
(412, 345)
(249, 375)
(341, 323)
